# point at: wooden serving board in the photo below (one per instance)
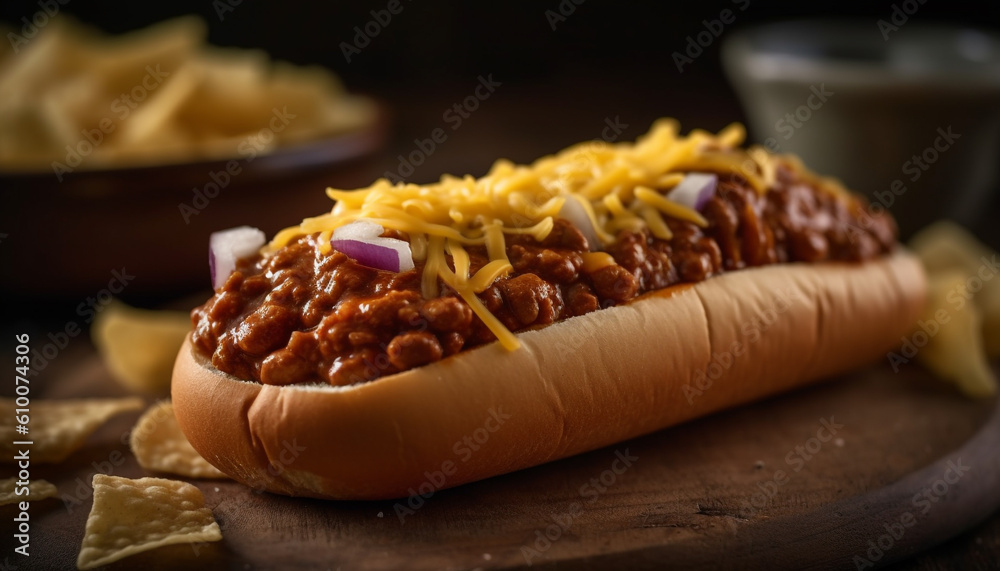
(767, 485)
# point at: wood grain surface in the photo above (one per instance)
(769, 485)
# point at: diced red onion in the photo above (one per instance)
(695, 190)
(576, 214)
(228, 246)
(363, 242)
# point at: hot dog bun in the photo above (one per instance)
(574, 386)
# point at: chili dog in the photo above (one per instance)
(602, 293)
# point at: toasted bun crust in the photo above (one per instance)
(574, 386)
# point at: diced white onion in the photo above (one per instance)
(228, 246)
(575, 213)
(363, 242)
(695, 190)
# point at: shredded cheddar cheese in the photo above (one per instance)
(593, 261)
(619, 186)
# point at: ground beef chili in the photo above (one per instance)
(300, 316)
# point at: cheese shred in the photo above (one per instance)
(620, 186)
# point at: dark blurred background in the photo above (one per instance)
(433, 41)
(559, 71)
(603, 59)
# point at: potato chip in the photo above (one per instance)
(37, 490)
(945, 246)
(139, 346)
(121, 60)
(158, 95)
(160, 446)
(955, 351)
(45, 58)
(61, 126)
(132, 516)
(159, 110)
(58, 427)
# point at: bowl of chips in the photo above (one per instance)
(122, 154)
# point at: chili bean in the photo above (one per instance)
(581, 299)
(531, 299)
(284, 368)
(266, 329)
(723, 225)
(451, 342)
(413, 348)
(300, 315)
(614, 284)
(446, 314)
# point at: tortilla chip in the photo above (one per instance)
(160, 446)
(139, 346)
(37, 490)
(58, 427)
(188, 98)
(955, 351)
(132, 516)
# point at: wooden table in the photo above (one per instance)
(688, 498)
(724, 489)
